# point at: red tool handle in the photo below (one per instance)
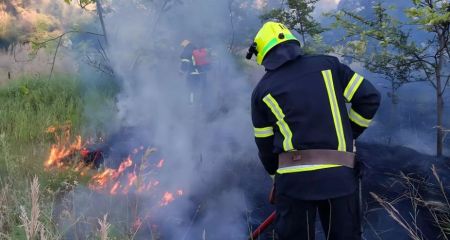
(263, 226)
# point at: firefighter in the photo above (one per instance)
(194, 63)
(305, 134)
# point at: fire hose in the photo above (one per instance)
(263, 226)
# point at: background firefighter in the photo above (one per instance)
(305, 134)
(195, 62)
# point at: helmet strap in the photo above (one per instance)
(251, 50)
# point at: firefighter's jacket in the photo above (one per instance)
(188, 62)
(300, 103)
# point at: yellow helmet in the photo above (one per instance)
(270, 35)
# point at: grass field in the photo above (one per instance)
(27, 108)
(28, 193)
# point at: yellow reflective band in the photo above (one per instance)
(282, 125)
(185, 60)
(353, 86)
(358, 119)
(193, 61)
(305, 168)
(263, 132)
(328, 78)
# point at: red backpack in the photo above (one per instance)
(201, 57)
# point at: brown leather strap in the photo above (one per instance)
(316, 156)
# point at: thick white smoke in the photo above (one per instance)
(202, 144)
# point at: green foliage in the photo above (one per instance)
(297, 15)
(30, 105)
(397, 50)
(389, 48)
(437, 13)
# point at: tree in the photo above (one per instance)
(98, 5)
(398, 50)
(297, 15)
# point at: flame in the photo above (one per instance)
(113, 190)
(58, 152)
(101, 180)
(167, 198)
(160, 163)
(51, 129)
(130, 176)
(124, 165)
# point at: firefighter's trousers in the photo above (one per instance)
(339, 217)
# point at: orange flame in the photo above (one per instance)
(113, 190)
(160, 163)
(167, 198)
(112, 181)
(58, 152)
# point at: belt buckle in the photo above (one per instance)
(296, 156)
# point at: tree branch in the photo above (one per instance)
(66, 33)
(54, 58)
(445, 85)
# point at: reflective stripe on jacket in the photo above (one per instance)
(302, 105)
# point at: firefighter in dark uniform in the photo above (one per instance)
(195, 71)
(305, 134)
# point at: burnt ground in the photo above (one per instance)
(228, 205)
(383, 176)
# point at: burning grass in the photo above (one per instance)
(28, 106)
(135, 178)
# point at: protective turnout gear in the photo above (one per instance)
(270, 35)
(194, 60)
(299, 106)
(339, 217)
(195, 63)
(200, 57)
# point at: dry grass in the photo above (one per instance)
(398, 217)
(31, 223)
(438, 209)
(104, 227)
(3, 208)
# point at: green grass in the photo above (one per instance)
(28, 107)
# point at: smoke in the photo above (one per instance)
(204, 143)
(407, 118)
(324, 6)
(25, 21)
